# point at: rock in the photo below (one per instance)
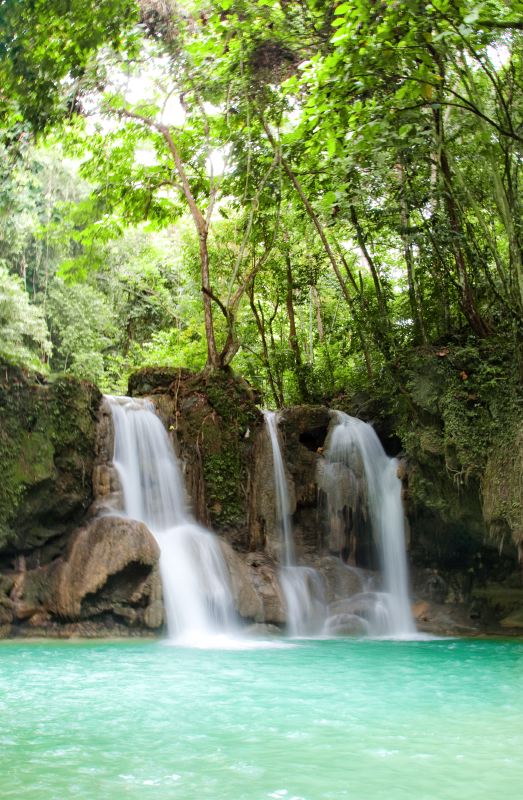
(346, 625)
(340, 580)
(153, 380)
(421, 610)
(208, 417)
(47, 451)
(39, 618)
(262, 629)
(255, 586)
(108, 566)
(264, 579)
(502, 489)
(6, 611)
(6, 584)
(434, 587)
(514, 620)
(248, 603)
(153, 615)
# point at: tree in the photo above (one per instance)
(45, 50)
(24, 338)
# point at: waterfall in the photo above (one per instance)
(195, 582)
(302, 586)
(354, 449)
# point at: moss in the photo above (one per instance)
(224, 474)
(214, 416)
(35, 459)
(503, 485)
(46, 450)
(464, 406)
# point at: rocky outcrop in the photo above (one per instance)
(213, 421)
(67, 568)
(106, 486)
(111, 566)
(109, 573)
(256, 590)
(47, 438)
(502, 489)
(302, 431)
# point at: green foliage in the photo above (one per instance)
(44, 51)
(24, 338)
(82, 325)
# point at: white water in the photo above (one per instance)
(352, 443)
(302, 586)
(195, 582)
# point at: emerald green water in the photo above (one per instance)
(323, 719)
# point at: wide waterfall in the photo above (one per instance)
(195, 582)
(355, 459)
(302, 586)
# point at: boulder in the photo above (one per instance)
(110, 566)
(340, 580)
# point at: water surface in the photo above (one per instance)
(365, 720)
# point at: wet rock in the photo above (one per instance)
(340, 580)
(346, 624)
(421, 611)
(213, 421)
(6, 611)
(248, 603)
(262, 629)
(514, 620)
(264, 578)
(108, 566)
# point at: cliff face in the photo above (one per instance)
(47, 446)
(65, 570)
(214, 423)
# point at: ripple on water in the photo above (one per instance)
(324, 720)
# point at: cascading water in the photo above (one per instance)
(195, 582)
(353, 444)
(302, 586)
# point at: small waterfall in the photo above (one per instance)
(302, 586)
(195, 582)
(371, 478)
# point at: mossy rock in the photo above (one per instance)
(502, 486)
(47, 436)
(213, 418)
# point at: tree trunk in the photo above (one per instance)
(414, 294)
(293, 338)
(260, 324)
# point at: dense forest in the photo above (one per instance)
(322, 197)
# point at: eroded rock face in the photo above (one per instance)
(302, 432)
(106, 486)
(255, 586)
(108, 576)
(111, 566)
